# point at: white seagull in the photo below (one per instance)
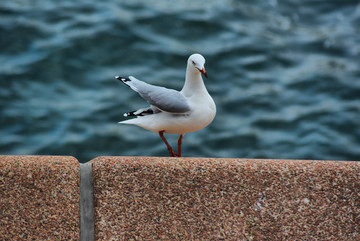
(172, 111)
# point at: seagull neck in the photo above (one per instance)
(193, 81)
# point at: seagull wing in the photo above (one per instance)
(167, 100)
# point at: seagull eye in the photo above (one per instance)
(193, 62)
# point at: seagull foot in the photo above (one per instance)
(171, 151)
(173, 154)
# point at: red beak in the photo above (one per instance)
(203, 72)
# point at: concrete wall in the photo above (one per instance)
(39, 198)
(158, 198)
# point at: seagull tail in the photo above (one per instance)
(128, 122)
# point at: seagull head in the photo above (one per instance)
(196, 63)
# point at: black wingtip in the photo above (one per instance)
(123, 79)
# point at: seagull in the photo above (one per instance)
(172, 111)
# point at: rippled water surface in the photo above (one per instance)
(285, 76)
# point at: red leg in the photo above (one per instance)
(179, 145)
(171, 151)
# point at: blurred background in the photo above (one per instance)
(285, 75)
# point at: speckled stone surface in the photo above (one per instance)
(39, 198)
(143, 198)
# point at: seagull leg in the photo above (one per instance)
(171, 151)
(179, 145)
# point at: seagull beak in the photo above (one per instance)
(203, 72)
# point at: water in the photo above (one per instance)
(285, 76)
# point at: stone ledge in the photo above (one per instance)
(39, 198)
(239, 199)
(159, 198)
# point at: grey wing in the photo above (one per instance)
(167, 100)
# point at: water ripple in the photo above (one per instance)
(284, 75)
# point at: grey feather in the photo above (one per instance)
(167, 100)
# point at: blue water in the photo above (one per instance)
(285, 76)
